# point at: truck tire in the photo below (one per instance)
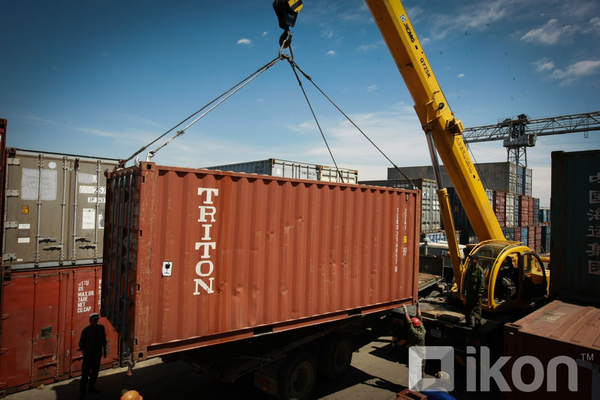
(297, 376)
(335, 357)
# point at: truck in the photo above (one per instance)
(253, 275)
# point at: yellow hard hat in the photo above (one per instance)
(132, 395)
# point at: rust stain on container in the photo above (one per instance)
(44, 312)
(197, 257)
(559, 329)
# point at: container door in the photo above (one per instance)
(87, 199)
(120, 259)
(35, 212)
(17, 330)
(46, 334)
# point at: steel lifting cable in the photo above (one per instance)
(316, 119)
(294, 67)
(234, 89)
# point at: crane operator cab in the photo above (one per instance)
(514, 275)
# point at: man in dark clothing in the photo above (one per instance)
(474, 288)
(93, 346)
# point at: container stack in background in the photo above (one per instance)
(52, 251)
(509, 190)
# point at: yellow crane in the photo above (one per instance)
(444, 134)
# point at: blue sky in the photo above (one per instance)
(104, 77)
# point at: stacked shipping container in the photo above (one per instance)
(51, 263)
(430, 205)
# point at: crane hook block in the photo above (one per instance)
(287, 12)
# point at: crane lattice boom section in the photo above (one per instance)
(522, 125)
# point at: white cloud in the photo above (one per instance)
(245, 41)
(474, 16)
(329, 33)
(372, 88)
(265, 33)
(593, 26)
(370, 47)
(331, 53)
(577, 70)
(461, 76)
(105, 54)
(543, 64)
(551, 33)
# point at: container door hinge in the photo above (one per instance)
(13, 161)
(3, 351)
(11, 225)
(12, 192)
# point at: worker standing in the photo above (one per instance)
(93, 346)
(416, 336)
(474, 287)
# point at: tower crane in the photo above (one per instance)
(521, 132)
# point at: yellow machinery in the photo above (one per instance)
(515, 275)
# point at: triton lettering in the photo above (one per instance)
(205, 268)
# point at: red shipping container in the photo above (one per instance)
(197, 257)
(500, 207)
(524, 210)
(44, 312)
(562, 339)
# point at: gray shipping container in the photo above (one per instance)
(54, 209)
(291, 169)
(575, 240)
(430, 205)
(494, 176)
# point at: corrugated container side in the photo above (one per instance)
(500, 207)
(509, 233)
(528, 182)
(430, 204)
(536, 211)
(273, 167)
(575, 245)
(517, 234)
(544, 215)
(520, 182)
(538, 239)
(331, 174)
(510, 210)
(44, 312)
(531, 211)
(557, 334)
(292, 169)
(198, 257)
(524, 235)
(54, 209)
(546, 239)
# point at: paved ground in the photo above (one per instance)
(377, 373)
